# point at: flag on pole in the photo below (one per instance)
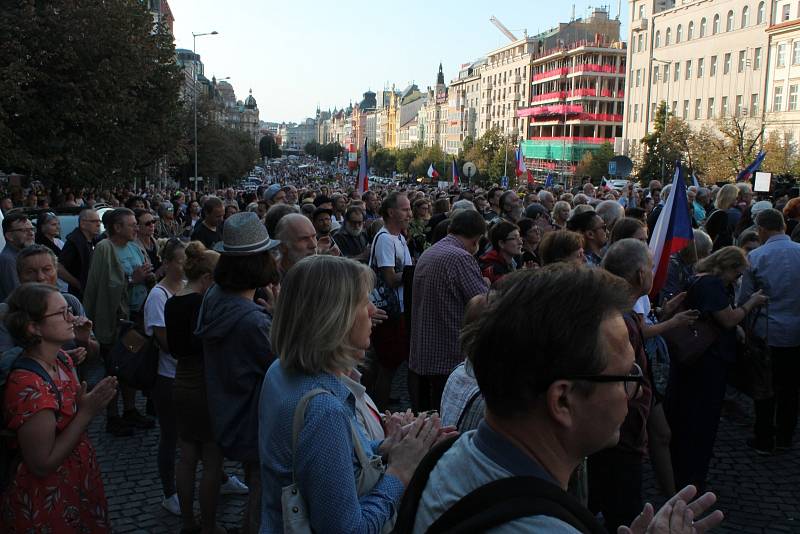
(672, 232)
(695, 183)
(548, 182)
(432, 173)
(604, 183)
(455, 172)
(748, 171)
(520, 168)
(363, 171)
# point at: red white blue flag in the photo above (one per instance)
(363, 172)
(672, 232)
(455, 172)
(750, 170)
(432, 172)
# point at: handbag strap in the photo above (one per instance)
(297, 426)
(374, 246)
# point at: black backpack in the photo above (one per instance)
(492, 504)
(11, 361)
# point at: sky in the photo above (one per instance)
(298, 54)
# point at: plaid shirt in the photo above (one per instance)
(445, 278)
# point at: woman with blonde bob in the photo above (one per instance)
(723, 220)
(319, 471)
(696, 389)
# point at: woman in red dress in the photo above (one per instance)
(56, 485)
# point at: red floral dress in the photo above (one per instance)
(71, 498)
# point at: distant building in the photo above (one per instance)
(297, 136)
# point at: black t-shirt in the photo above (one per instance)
(180, 320)
(207, 236)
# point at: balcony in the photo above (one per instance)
(556, 95)
(559, 72)
(548, 111)
(593, 67)
(639, 25)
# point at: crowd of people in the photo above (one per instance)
(544, 370)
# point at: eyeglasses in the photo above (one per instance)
(29, 229)
(66, 313)
(149, 223)
(632, 382)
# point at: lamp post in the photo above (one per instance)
(194, 84)
(666, 114)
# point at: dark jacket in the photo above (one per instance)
(348, 244)
(235, 335)
(76, 257)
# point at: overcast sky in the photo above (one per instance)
(298, 54)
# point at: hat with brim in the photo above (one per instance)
(244, 234)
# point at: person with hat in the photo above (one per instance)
(322, 220)
(235, 330)
(274, 195)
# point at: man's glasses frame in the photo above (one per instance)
(632, 381)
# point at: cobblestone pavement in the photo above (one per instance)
(758, 494)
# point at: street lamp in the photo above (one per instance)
(194, 69)
(666, 113)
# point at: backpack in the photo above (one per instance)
(493, 504)
(10, 361)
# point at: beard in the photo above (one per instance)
(355, 232)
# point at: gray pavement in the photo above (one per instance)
(758, 494)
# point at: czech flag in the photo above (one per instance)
(548, 182)
(695, 183)
(748, 171)
(432, 173)
(363, 172)
(672, 232)
(520, 167)
(455, 172)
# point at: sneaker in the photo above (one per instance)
(135, 419)
(760, 448)
(171, 504)
(233, 486)
(117, 427)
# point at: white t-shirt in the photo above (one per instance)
(642, 307)
(392, 251)
(154, 316)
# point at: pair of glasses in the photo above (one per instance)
(149, 223)
(66, 313)
(632, 382)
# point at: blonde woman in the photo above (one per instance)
(694, 397)
(723, 220)
(308, 434)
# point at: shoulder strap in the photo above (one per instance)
(407, 511)
(374, 246)
(508, 499)
(24, 363)
(468, 406)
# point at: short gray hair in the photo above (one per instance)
(315, 312)
(626, 258)
(610, 211)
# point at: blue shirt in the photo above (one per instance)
(775, 268)
(131, 257)
(325, 462)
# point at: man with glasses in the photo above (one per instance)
(554, 394)
(19, 233)
(351, 238)
(595, 235)
(76, 256)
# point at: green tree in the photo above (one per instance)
(89, 91)
(268, 147)
(662, 148)
(382, 160)
(599, 162)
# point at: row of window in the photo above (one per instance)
(780, 56)
(710, 109)
(777, 98)
(730, 25)
(662, 72)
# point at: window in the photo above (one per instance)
(726, 66)
(745, 16)
(688, 73)
(713, 66)
(781, 56)
(710, 112)
(742, 60)
(655, 74)
(668, 38)
(793, 97)
(715, 26)
(754, 104)
(724, 108)
(729, 22)
(636, 113)
(640, 43)
(777, 99)
(703, 27)
(679, 34)
(796, 53)
(677, 71)
(666, 73)
(653, 110)
(760, 13)
(698, 108)
(674, 106)
(685, 109)
(757, 59)
(641, 11)
(658, 39)
(701, 67)
(690, 31)
(739, 104)
(638, 77)
(785, 13)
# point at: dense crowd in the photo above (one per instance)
(266, 326)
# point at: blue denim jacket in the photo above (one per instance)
(325, 462)
(775, 268)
